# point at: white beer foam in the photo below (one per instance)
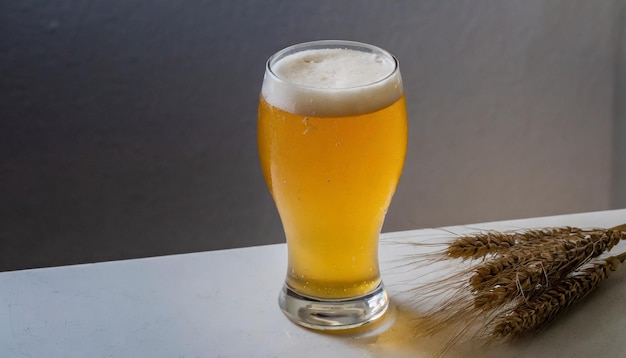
(332, 82)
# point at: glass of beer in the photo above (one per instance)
(332, 136)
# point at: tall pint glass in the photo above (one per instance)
(332, 135)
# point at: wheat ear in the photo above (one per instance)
(561, 254)
(551, 264)
(534, 314)
(479, 245)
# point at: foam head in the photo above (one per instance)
(324, 80)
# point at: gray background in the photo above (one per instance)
(128, 128)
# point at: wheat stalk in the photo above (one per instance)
(479, 245)
(568, 250)
(532, 315)
(544, 263)
(523, 279)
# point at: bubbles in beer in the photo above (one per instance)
(309, 59)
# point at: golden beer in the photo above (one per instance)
(332, 180)
(332, 135)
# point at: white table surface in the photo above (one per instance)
(224, 304)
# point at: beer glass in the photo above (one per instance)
(332, 135)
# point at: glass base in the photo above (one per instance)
(333, 314)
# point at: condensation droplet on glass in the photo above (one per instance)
(307, 126)
(305, 121)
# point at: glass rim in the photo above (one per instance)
(330, 44)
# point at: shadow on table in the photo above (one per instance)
(592, 327)
(402, 333)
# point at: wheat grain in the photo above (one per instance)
(534, 275)
(539, 310)
(479, 245)
(530, 265)
(523, 280)
(545, 264)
